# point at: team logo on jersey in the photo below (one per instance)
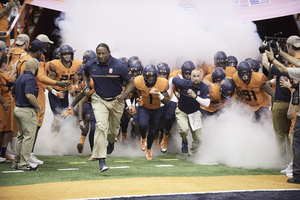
(110, 70)
(63, 72)
(40, 121)
(198, 93)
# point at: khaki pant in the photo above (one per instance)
(27, 124)
(108, 115)
(281, 126)
(184, 127)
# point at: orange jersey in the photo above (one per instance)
(63, 73)
(175, 73)
(6, 84)
(151, 101)
(229, 71)
(13, 56)
(21, 66)
(216, 100)
(3, 21)
(252, 93)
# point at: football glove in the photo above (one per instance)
(131, 110)
(67, 112)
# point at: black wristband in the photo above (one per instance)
(271, 61)
(196, 97)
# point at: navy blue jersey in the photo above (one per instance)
(107, 78)
(187, 104)
(25, 84)
(280, 94)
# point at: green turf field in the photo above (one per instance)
(51, 170)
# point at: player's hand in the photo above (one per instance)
(67, 112)
(154, 91)
(191, 93)
(41, 111)
(140, 102)
(60, 94)
(131, 110)
(72, 89)
(62, 84)
(6, 106)
(82, 125)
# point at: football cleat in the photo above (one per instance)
(164, 143)
(143, 144)
(80, 147)
(148, 154)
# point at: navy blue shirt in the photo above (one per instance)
(188, 104)
(280, 94)
(25, 84)
(107, 78)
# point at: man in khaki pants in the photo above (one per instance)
(108, 74)
(25, 92)
(193, 93)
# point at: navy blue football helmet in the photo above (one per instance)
(65, 49)
(218, 74)
(55, 53)
(187, 68)
(163, 68)
(244, 70)
(124, 60)
(88, 55)
(132, 58)
(227, 88)
(220, 59)
(254, 63)
(136, 68)
(232, 61)
(150, 75)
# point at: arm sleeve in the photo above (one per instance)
(204, 102)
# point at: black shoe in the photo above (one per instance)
(102, 165)
(110, 147)
(293, 180)
(184, 148)
(31, 169)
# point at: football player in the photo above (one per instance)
(219, 94)
(220, 60)
(64, 69)
(136, 69)
(153, 90)
(168, 113)
(252, 88)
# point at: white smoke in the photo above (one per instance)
(158, 30)
(234, 138)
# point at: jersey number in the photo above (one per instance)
(66, 77)
(247, 93)
(151, 98)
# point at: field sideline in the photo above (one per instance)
(72, 177)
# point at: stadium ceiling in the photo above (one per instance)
(247, 10)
